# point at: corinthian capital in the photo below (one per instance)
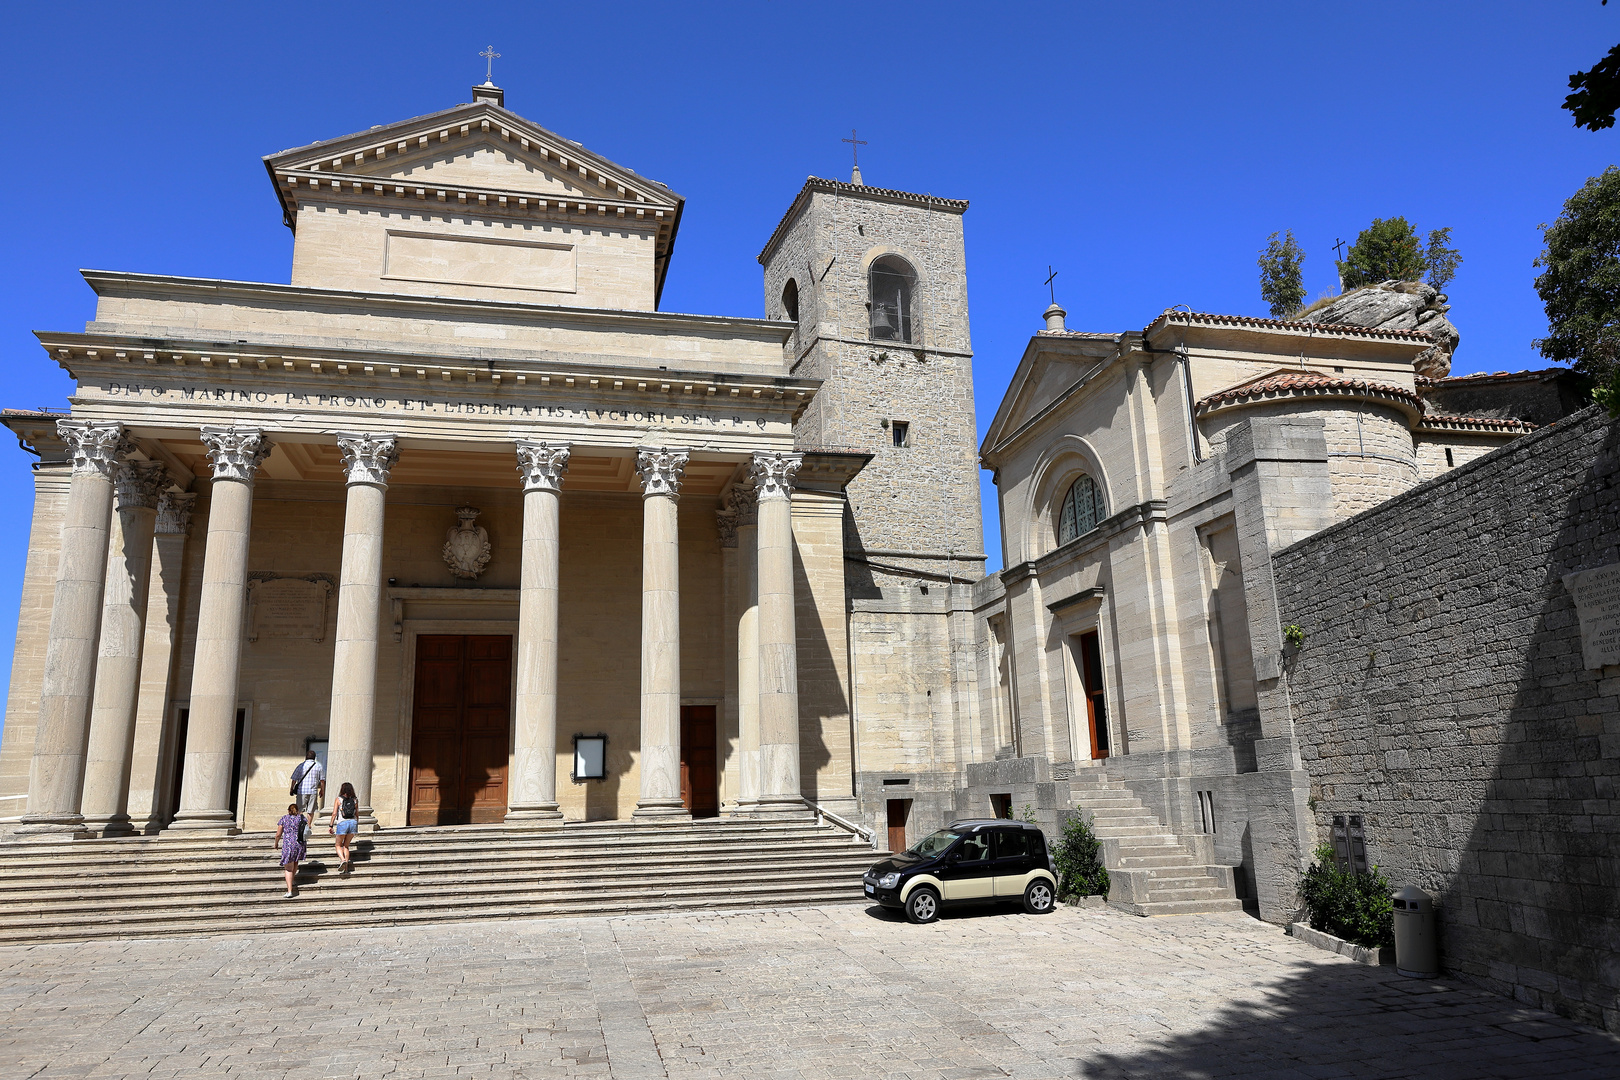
(743, 502)
(236, 453)
(174, 512)
(541, 464)
(773, 474)
(661, 470)
(367, 459)
(95, 446)
(139, 484)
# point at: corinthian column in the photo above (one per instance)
(534, 785)
(778, 649)
(661, 472)
(56, 774)
(744, 500)
(138, 486)
(205, 786)
(367, 460)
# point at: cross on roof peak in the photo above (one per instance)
(491, 55)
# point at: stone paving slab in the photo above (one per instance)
(805, 994)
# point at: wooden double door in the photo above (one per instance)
(700, 778)
(460, 729)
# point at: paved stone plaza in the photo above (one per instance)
(811, 993)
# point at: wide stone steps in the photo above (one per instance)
(1150, 871)
(79, 890)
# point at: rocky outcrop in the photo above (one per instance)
(1398, 305)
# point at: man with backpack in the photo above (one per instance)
(308, 785)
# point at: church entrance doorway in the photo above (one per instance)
(460, 729)
(700, 779)
(1091, 680)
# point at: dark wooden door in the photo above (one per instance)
(1091, 675)
(460, 729)
(899, 810)
(700, 780)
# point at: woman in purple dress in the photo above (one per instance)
(290, 839)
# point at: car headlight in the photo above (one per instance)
(888, 881)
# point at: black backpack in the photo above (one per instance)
(348, 807)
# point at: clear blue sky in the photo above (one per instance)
(1145, 150)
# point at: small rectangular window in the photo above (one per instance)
(1449, 463)
(1206, 812)
(901, 430)
(1001, 805)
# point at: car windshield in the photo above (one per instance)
(935, 843)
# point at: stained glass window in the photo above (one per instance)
(1082, 509)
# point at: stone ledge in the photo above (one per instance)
(1361, 954)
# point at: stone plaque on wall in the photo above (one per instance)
(1597, 606)
(288, 607)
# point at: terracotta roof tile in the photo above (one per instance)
(1205, 318)
(1476, 423)
(1288, 383)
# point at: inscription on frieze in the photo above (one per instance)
(1597, 606)
(288, 606)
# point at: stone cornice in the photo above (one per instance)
(1506, 427)
(1096, 592)
(344, 369)
(830, 470)
(163, 286)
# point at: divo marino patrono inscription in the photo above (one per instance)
(402, 403)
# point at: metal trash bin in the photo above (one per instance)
(1417, 951)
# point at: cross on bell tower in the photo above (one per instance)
(855, 149)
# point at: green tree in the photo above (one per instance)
(1580, 279)
(1388, 248)
(1440, 260)
(1281, 284)
(1078, 857)
(1596, 92)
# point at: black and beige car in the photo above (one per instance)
(968, 862)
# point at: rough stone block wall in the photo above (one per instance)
(1441, 695)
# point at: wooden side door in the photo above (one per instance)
(700, 779)
(460, 729)
(1091, 677)
(899, 810)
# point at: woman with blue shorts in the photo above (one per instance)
(345, 823)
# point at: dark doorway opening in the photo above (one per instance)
(700, 780)
(239, 747)
(1091, 675)
(460, 729)
(1001, 805)
(899, 811)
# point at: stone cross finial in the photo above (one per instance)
(542, 464)
(236, 453)
(491, 55)
(367, 458)
(661, 470)
(174, 512)
(772, 474)
(96, 447)
(139, 484)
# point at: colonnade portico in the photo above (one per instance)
(85, 743)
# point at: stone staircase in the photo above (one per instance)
(1150, 871)
(163, 886)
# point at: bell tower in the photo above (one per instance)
(877, 283)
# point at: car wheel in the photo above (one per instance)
(922, 906)
(1038, 897)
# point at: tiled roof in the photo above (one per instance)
(1090, 335)
(1492, 376)
(838, 187)
(1447, 422)
(1309, 383)
(1205, 318)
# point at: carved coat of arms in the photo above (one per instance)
(466, 546)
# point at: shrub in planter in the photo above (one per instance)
(1348, 905)
(1078, 855)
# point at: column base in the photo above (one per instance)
(53, 827)
(540, 816)
(673, 811)
(110, 826)
(776, 806)
(217, 822)
(742, 808)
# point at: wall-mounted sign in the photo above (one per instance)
(590, 758)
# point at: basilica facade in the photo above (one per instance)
(463, 512)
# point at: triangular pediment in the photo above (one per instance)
(1050, 368)
(478, 146)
